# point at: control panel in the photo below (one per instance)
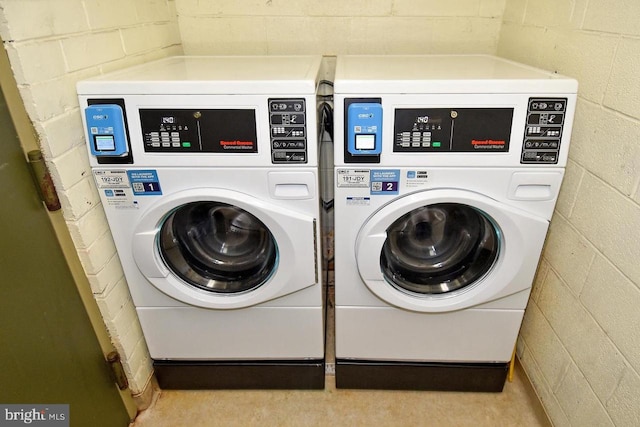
(364, 129)
(288, 129)
(106, 127)
(461, 130)
(199, 130)
(545, 120)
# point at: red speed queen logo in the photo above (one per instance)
(487, 144)
(236, 144)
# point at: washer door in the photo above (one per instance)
(447, 249)
(439, 248)
(217, 248)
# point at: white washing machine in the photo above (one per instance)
(208, 174)
(447, 171)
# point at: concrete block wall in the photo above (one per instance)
(580, 341)
(339, 27)
(51, 45)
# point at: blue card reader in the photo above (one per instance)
(364, 129)
(106, 131)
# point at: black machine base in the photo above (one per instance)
(240, 375)
(382, 375)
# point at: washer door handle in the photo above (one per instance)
(368, 256)
(144, 254)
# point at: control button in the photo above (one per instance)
(534, 130)
(186, 144)
(155, 134)
(426, 144)
(280, 155)
(155, 144)
(415, 144)
(437, 144)
(174, 134)
(155, 139)
(406, 144)
(166, 144)
(173, 139)
(175, 144)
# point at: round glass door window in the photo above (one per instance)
(218, 247)
(439, 249)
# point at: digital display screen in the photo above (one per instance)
(365, 142)
(454, 130)
(105, 142)
(168, 120)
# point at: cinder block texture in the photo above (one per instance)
(338, 27)
(572, 178)
(79, 199)
(606, 143)
(92, 49)
(109, 275)
(88, 228)
(591, 293)
(542, 387)
(51, 45)
(25, 20)
(624, 405)
(70, 167)
(527, 44)
(569, 253)
(612, 16)
(584, 56)
(579, 402)
(61, 133)
(591, 349)
(610, 221)
(514, 12)
(617, 313)
(545, 346)
(548, 13)
(36, 61)
(624, 84)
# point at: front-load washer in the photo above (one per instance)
(447, 171)
(208, 174)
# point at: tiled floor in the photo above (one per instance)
(515, 406)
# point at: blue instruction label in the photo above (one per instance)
(385, 181)
(145, 182)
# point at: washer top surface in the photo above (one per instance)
(444, 74)
(201, 75)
